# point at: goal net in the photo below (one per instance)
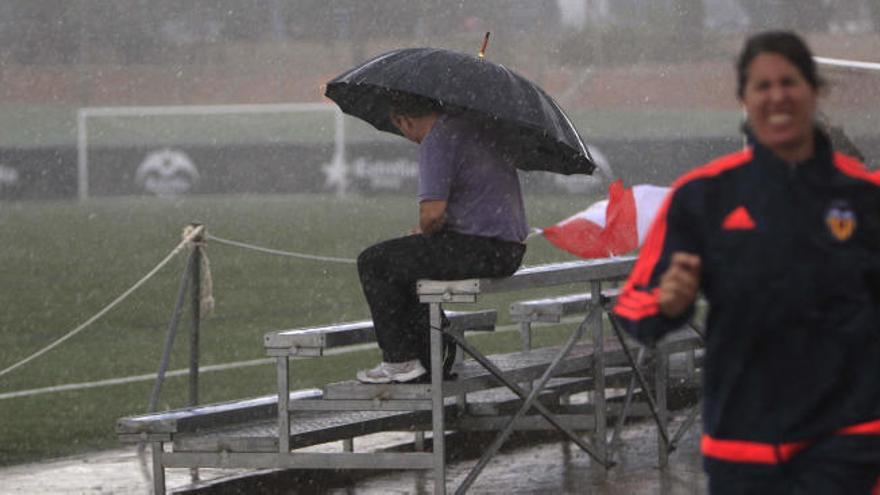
(172, 150)
(852, 107)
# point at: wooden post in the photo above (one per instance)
(196, 318)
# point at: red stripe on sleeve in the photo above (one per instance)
(654, 241)
(868, 428)
(854, 168)
(636, 312)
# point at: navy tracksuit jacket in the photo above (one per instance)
(791, 271)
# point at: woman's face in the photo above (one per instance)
(780, 104)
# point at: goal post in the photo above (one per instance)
(848, 64)
(850, 107)
(334, 152)
(86, 117)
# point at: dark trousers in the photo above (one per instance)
(821, 479)
(389, 271)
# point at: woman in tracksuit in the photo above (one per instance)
(783, 239)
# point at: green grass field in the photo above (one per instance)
(29, 126)
(63, 261)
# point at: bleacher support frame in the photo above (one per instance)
(416, 407)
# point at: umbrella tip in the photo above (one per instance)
(482, 53)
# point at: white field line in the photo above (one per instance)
(208, 369)
(130, 379)
(178, 372)
(123, 111)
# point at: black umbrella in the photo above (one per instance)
(542, 135)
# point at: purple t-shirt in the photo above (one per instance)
(460, 162)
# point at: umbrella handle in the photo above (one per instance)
(482, 53)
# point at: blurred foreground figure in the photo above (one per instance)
(472, 224)
(783, 239)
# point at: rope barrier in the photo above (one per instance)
(206, 287)
(189, 235)
(232, 365)
(292, 254)
(207, 300)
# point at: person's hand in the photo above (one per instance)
(679, 284)
(415, 231)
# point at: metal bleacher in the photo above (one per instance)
(523, 390)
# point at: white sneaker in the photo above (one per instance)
(392, 372)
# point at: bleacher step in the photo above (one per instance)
(517, 366)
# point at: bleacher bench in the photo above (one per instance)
(348, 409)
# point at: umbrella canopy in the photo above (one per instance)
(541, 134)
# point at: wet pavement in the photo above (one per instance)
(529, 466)
(117, 471)
(561, 467)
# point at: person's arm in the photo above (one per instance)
(437, 171)
(661, 290)
(432, 214)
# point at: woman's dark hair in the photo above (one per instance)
(412, 105)
(784, 43)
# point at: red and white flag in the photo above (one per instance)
(610, 227)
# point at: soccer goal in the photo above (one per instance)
(148, 149)
(852, 106)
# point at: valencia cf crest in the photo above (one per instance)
(841, 220)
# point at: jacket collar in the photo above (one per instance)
(819, 165)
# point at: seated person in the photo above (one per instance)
(472, 224)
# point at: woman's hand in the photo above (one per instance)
(679, 284)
